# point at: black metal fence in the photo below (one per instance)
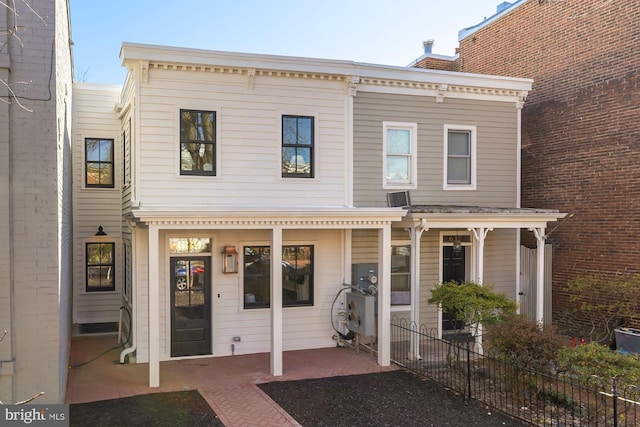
(540, 398)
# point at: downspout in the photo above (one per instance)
(134, 311)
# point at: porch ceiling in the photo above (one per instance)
(446, 216)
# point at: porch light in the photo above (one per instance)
(457, 245)
(100, 231)
(229, 260)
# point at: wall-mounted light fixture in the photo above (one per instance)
(100, 231)
(229, 260)
(457, 244)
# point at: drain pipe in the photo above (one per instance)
(133, 319)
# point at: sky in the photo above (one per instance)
(387, 32)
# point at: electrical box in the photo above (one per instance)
(364, 275)
(361, 317)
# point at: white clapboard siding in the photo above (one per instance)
(94, 118)
(249, 139)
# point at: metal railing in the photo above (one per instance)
(540, 398)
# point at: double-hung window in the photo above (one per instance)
(297, 276)
(460, 157)
(297, 146)
(399, 142)
(100, 267)
(98, 163)
(197, 142)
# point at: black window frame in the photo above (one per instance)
(292, 148)
(260, 259)
(90, 265)
(100, 163)
(213, 143)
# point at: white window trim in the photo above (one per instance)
(198, 106)
(472, 150)
(412, 182)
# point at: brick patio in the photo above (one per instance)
(227, 383)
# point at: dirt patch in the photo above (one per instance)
(182, 408)
(396, 398)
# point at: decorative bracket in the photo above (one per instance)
(251, 76)
(522, 96)
(144, 71)
(352, 85)
(441, 92)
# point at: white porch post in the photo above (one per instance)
(540, 237)
(384, 296)
(416, 235)
(480, 233)
(276, 301)
(154, 308)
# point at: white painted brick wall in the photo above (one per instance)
(40, 212)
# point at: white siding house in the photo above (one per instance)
(243, 189)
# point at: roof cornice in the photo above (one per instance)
(188, 59)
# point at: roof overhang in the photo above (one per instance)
(261, 218)
(472, 217)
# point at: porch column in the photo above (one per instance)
(416, 235)
(540, 238)
(384, 296)
(276, 301)
(480, 233)
(154, 308)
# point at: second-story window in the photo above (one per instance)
(197, 142)
(98, 163)
(460, 157)
(400, 158)
(297, 147)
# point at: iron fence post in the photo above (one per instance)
(468, 371)
(614, 393)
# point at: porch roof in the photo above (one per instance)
(443, 216)
(267, 217)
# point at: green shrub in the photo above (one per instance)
(471, 303)
(523, 342)
(597, 359)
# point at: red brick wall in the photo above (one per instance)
(437, 64)
(581, 125)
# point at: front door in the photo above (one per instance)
(453, 270)
(190, 306)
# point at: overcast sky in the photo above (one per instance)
(373, 31)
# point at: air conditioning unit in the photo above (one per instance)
(398, 199)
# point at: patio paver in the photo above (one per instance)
(228, 383)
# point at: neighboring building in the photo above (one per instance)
(210, 168)
(35, 201)
(581, 132)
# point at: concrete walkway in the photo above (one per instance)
(227, 383)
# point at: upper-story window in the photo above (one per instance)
(399, 142)
(460, 157)
(98, 162)
(197, 142)
(297, 146)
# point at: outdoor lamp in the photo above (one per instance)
(229, 260)
(100, 231)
